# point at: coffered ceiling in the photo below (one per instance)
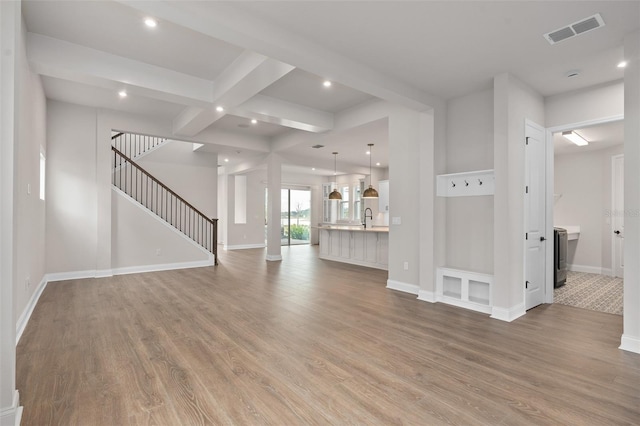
(268, 60)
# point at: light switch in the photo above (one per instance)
(396, 220)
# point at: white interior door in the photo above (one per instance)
(535, 238)
(617, 214)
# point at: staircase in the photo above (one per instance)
(136, 146)
(155, 196)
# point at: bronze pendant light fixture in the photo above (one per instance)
(370, 192)
(335, 195)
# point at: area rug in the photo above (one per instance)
(591, 291)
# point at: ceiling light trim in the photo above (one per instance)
(575, 138)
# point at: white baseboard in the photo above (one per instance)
(274, 257)
(427, 296)
(472, 306)
(630, 344)
(163, 267)
(244, 246)
(12, 415)
(404, 287)
(508, 314)
(28, 310)
(104, 273)
(72, 275)
(79, 275)
(590, 269)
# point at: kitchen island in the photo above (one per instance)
(356, 245)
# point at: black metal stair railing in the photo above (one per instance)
(133, 145)
(143, 187)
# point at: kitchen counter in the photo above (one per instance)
(355, 245)
(354, 228)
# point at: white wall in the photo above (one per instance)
(469, 220)
(411, 134)
(71, 203)
(192, 175)
(252, 233)
(514, 102)
(79, 221)
(592, 103)
(583, 182)
(140, 240)
(631, 336)
(30, 222)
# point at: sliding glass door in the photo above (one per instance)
(295, 216)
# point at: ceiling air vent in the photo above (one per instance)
(577, 28)
(317, 146)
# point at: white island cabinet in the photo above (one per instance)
(356, 245)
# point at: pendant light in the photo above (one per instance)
(335, 195)
(370, 192)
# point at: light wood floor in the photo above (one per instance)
(307, 341)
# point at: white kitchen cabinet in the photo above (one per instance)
(371, 247)
(383, 249)
(357, 246)
(334, 247)
(325, 242)
(345, 244)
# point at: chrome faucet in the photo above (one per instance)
(365, 216)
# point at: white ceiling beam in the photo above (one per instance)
(60, 59)
(222, 21)
(247, 76)
(343, 121)
(276, 111)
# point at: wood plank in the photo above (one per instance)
(308, 341)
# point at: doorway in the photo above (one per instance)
(585, 196)
(295, 216)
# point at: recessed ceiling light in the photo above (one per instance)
(622, 64)
(254, 121)
(150, 22)
(122, 93)
(313, 168)
(219, 109)
(377, 164)
(326, 83)
(368, 152)
(226, 160)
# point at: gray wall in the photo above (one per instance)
(583, 183)
(83, 226)
(469, 220)
(30, 221)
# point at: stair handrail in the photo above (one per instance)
(212, 221)
(137, 166)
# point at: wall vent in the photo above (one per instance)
(577, 28)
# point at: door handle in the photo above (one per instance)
(616, 232)
(543, 239)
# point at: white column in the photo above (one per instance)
(10, 21)
(103, 194)
(631, 332)
(410, 133)
(432, 212)
(274, 185)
